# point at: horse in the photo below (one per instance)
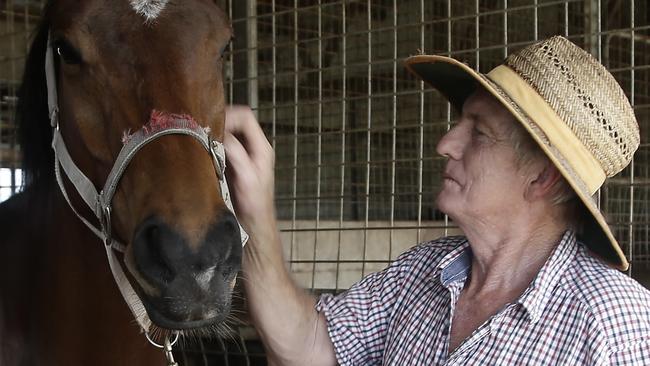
(119, 70)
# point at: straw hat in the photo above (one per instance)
(572, 107)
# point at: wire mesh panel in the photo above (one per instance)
(17, 20)
(355, 134)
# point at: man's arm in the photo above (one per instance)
(293, 332)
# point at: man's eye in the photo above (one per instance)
(477, 132)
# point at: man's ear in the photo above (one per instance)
(542, 182)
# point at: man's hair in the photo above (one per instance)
(527, 152)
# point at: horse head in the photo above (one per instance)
(134, 65)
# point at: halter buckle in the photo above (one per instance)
(54, 118)
(218, 158)
(105, 222)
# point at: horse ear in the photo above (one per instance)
(34, 131)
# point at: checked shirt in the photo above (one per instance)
(577, 311)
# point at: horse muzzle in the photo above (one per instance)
(186, 285)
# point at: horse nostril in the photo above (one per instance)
(152, 241)
(151, 251)
(153, 234)
(225, 248)
(231, 225)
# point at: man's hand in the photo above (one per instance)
(250, 171)
(284, 315)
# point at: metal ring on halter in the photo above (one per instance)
(158, 345)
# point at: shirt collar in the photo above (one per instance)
(456, 264)
(536, 296)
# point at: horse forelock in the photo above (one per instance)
(149, 9)
(34, 131)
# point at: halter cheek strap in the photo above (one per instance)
(100, 203)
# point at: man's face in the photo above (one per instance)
(481, 182)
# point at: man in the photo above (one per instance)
(531, 282)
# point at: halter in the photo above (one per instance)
(100, 203)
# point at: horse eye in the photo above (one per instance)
(222, 53)
(67, 52)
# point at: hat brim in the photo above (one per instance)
(457, 81)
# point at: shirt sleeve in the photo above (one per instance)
(358, 318)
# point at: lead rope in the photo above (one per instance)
(100, 203)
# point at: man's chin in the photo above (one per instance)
(447, 205)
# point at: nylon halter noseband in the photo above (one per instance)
(100, 203)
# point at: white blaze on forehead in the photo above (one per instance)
(149, 9)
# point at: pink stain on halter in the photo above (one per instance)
(159, 121)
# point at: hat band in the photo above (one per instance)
(560, 136)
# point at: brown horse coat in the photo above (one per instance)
(59, 304)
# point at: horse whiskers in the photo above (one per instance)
(224, 330)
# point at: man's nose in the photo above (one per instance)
(451, 144)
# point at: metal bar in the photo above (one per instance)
(368, 136)
(346, 261)
(245, 352)
(421, 127)
(591, 27)
(599, 25)
(621, 32)
(394, 134)
(343, 145)
(231, 63)
(632, 90)
(320, 139)
(535, 21)
(598, 55)
(295, 125)
(403, 26)
(477, 34)
(448, 126)
(371, 228)
(566, 19)
(334, 196)
(251, 59)
(505, 28)
(460, 17)
(274, 70)
(12, 91)
(203, 355)
(225, 350)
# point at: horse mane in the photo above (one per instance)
(32, 117)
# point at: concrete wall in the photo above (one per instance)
(360, 250)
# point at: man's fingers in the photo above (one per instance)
(241, 122)
(236, 154)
